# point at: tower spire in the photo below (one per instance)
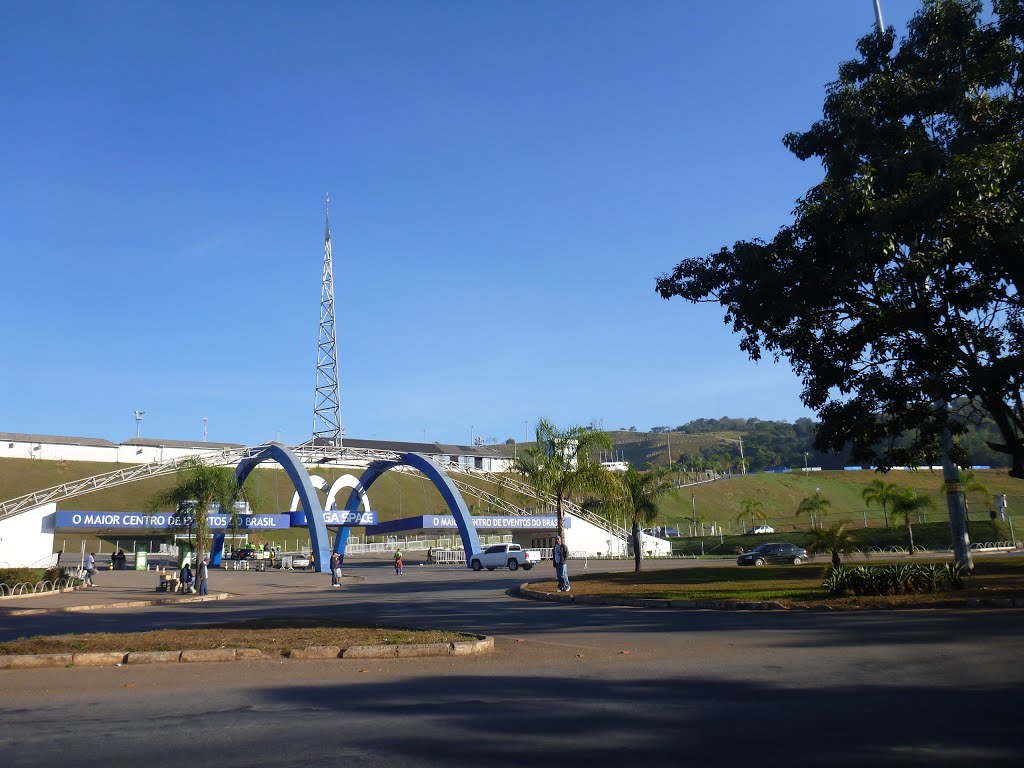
(327, 399)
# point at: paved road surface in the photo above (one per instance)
(567, 685)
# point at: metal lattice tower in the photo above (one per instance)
(327, 401)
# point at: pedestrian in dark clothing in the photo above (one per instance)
(561, 558)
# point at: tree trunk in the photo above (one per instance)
(885, 514)
(955, 505)
(910, 534)
(836, 562)
(560, 513)
(637, 553)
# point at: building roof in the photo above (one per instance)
(438, 449)
(152, 442)
(20, 437)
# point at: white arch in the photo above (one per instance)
(347, 481)
(318, 482)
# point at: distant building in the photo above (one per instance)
(147, 450)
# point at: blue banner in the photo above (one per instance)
(337, 517)
(165, 520)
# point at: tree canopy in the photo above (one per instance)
(897, 286)
(561, 463)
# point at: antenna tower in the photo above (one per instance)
(327, 401)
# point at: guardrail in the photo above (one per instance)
(23, 588)
(449, 556)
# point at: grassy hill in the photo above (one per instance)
(399, 495)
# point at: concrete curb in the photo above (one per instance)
(23, 595)
(747, 605)
(122, 604)
(482, 644)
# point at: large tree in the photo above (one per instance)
(896, 289)
(563, 464)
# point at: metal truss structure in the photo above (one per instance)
(327, 399)
(318, 456)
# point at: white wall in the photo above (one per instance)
(582, 536)
(17, 449)
(26, 540)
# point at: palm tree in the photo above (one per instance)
(814, 506)
(198, 488)
(969, 483)
(562, 464)
(882, 494)
(907, 502)
(835, 539)
(637, 497)
(752, 510)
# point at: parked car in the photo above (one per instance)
(302, 561)
(762, 529)
(245, 553)
(768, 554)
(511, 556)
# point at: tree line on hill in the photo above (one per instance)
(769, 444)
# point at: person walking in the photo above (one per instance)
(202, 574)
(335, 569)
(89, 568)
(561, 558)
(398, 561)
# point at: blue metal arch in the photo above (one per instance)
(443, 483)
(307, 495)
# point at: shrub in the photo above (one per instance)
(895, 579)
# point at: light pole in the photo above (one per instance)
(805, 461)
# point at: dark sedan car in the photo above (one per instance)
(773, 553)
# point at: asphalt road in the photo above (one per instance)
(567, 685)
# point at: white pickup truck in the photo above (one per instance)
(511, 556)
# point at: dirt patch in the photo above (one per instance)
(268, 635)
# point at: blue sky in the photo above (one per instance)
(507, 181)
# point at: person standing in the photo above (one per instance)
(89, 568)
(202, 574)
(335, 569)
(398, 561)
(561, 558)
(186, 578)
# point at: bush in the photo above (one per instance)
(895, 579)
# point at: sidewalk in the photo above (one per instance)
(113, 589)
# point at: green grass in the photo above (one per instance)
(398, 495)
(793, 586)
(933, 536)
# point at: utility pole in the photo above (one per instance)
(878, 17)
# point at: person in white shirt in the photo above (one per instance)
(89, 568)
